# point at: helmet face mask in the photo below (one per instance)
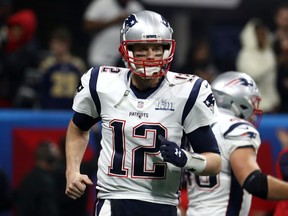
(256, 117)
(147, 27)
(238, 92)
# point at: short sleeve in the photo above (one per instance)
(204, 111)
(83, 101)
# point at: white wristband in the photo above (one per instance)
(195, 162)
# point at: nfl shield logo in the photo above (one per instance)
(140, 104)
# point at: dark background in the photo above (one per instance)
(219, 25)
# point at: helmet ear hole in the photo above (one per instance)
(243, 107)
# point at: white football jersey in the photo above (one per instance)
(222, 194)
(130, 165)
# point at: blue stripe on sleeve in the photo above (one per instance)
(192, 98)
(92, 88)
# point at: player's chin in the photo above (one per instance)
(153, 76)
(149, 72)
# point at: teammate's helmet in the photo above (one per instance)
(238, 92)
(147, 27)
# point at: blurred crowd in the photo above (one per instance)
(37, 77)
(41, 190)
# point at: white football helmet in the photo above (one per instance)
(238, 92)
(147, 27)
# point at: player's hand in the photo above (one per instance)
(76, 184)
(171, 152)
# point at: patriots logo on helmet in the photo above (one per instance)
(209, 102)
(165, 22)
(240, 81)
(130, 22)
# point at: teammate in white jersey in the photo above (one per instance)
(230, 192)
(141, 107)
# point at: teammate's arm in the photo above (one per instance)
(248, 173)
(76, 144)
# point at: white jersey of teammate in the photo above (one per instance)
(222, 194)
(130, 165)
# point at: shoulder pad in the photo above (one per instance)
(179, 78)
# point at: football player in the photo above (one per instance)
(230, 192)
(143, 108)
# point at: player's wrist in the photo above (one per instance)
(183, 161)
(195, 162)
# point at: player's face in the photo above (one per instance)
(147, 56)
(147, 52)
